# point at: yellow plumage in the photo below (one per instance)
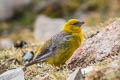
(61, 46)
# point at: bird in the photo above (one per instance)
(59, 48)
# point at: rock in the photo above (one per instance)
(15, 74)
(8, 7)
(20, 44)
(87, 69)
(76, 75)
(28, 56)
(6, 12)
(6, 43)
(46, 27)
(97, 48)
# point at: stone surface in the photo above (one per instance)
(8, 7)
(99, 47)
(76, 75)
(46, 27)
(87, 69)
(6, 43)
(28, 56)
(15, 74)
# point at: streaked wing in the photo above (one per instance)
(46, 52)
(50, 49)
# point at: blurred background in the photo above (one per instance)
(33, 20)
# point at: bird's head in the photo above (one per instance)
(73, 26)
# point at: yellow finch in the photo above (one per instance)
(61, 46)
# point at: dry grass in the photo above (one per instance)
(42, 71)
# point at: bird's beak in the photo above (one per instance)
(79, 24)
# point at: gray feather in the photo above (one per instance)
(58, 41)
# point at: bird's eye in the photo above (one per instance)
(76, 23)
